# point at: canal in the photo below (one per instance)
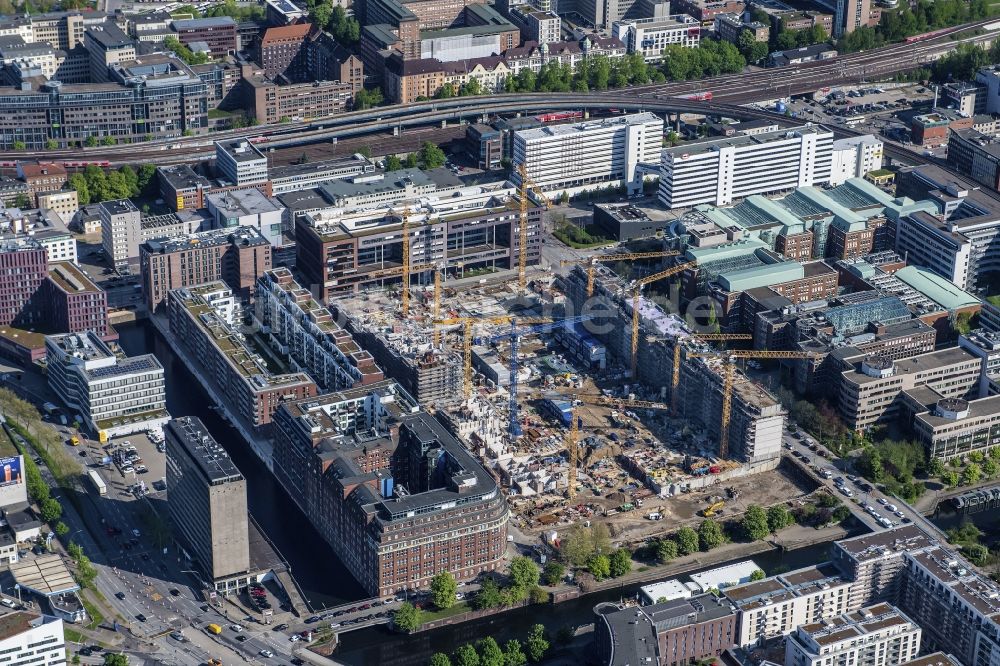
(320, 574)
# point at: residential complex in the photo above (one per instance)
(721, 171)
(362, 463)
(207, 504)
(590, 154)
(650, 36)
(108, 391)
(305, 333)
(878, 634)
(201, 320)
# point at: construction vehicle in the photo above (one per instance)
(522, 258)
(729, 359)
(636, 292)
(712, 509)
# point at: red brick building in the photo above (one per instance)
(281, 51)
(218, 32)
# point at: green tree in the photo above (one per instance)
(406, 617)
(471, 87)
(61, 529)
(466, 655)
(431, 156)
(972, 474)
(935, 467)
(22, 201)
(443, 590)
(673, 138)
(367, 98)
(51, 144)
(758, 574)
(411, 161)
(513, 655)
(439, 659)
(115, 659)
(755, 523)
(840, 514)
(687, 541)
(710, 534)
(393, 163)
(990, 468)
(345, 30)
(778, 517)
(490, 653)
(950, 478)
(536, 646)
(553, 572)
(620, 562)
(321, 13)
(523, 573)
(51, 510)
(488, 595)
(131, 179)
(666, 550)
(599, 566)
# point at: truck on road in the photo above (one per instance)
(97, 482)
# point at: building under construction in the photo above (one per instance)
(756, 420)
(405, 351)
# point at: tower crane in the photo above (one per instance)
(624, 256)
(406, 263)
(728, 379)
(522, 259)
(636, 289)
(515, 333)
(675, 380)
(573, 453)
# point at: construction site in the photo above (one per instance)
(547, 400)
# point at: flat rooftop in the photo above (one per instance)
(198, 445)
(243, 235)
(240, 203)
(240, 150)
(17, 622)
(47, 575)
(942, 358)
(68, 277)
(742, 141)
(878, 544)
(539, 133)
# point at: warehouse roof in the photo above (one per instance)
(933, 286)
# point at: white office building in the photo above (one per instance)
(878, 635)
(723, 171)
(247, 208)
(44, 227)
(106, 392)
(854, 158)
(240, 162)
(590, 155)
(650, 36)
(31, 638)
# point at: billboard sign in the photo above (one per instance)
(10, 471)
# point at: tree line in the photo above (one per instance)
(926, 16)
(94, 185)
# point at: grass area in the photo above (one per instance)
(95, 615)
(476, 272)
(437, 614)
(73, 636)
(580, 239)
(218, 113)
(993, 300)
(62, 466)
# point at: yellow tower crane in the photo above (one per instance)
(675, 380)
(729, 378)
(436, 308)
(467, 324)
(630, 256)
(636, 289)
(522, 259)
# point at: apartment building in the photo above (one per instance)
(32, 638)
(878, 635)
(875, 563)
(650, 36)
(305, 333)
(281, 51)
(721, 171)
(591, 154)
(73, 303)
(270, 102)
(42, 176)
(64, 203)
(855, 157)
(776, 606)
(112, 393)
(730, 27)
(429, 375)
(207, 504)
(362, 463)
(240, 163)
(236, 255)
(200, 321)
(871, 392)
(23, 269)
(216, 32)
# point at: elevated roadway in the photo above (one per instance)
(728, 92)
